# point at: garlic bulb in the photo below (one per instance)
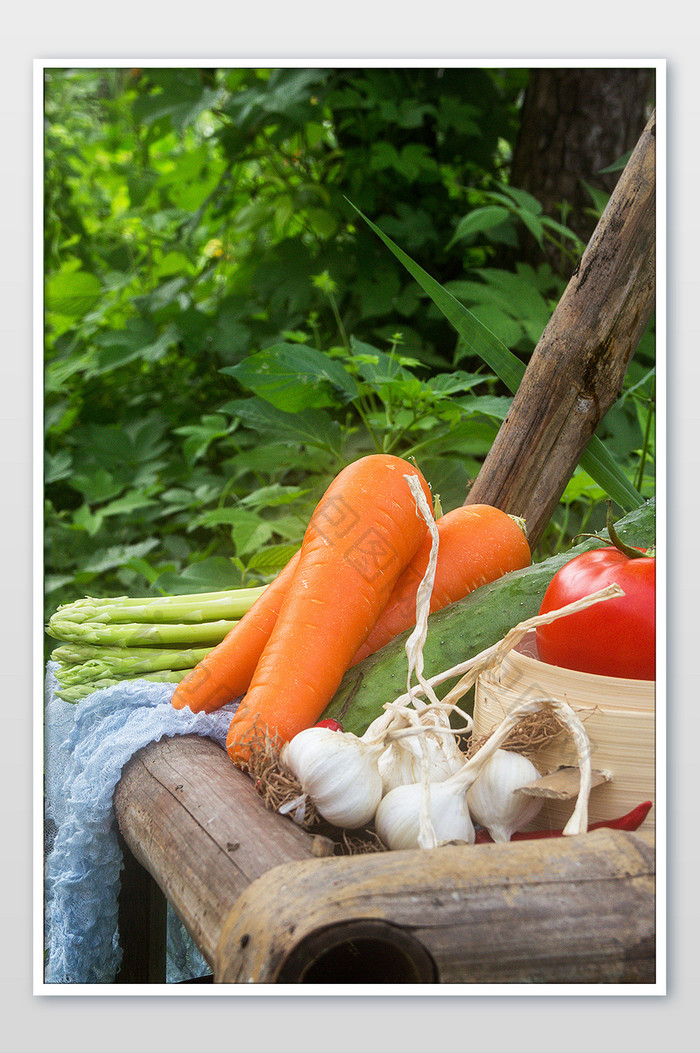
(397, 766)
(403, 759)
(398, 818)
(339, 773)
(493, 799)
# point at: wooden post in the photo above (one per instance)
(142, 924)
(577, 369)
(197, 825)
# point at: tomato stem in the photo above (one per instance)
(631, 553)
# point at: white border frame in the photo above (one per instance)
(656, 989)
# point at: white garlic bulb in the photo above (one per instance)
(398, 818)
(339, 773)
(397, 766)
(403, 759)
(493, 799)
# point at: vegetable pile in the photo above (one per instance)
(407, 774)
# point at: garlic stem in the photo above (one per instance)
(403, 717)
(416, 641)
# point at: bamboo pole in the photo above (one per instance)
(560, 910)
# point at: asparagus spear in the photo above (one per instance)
(75, 653)
(77, 692)
(140, 634)
(130, 663)
(229, 605)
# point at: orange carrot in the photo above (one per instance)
(362, 535)
(477, 544)
(225, 673)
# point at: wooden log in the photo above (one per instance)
(196, 824)
(577, 369)
(562, 911)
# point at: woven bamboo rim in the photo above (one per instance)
(618, 716)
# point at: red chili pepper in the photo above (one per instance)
(334, 725)
(632, 821)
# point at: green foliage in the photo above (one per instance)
(223, 332)
(596, 459)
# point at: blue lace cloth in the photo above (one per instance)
(86, 747)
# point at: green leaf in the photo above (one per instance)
(499, 322)
(522, 198)
(58, 466)
(249, 532)
(118, 347)
(596, 459)
(533, 224)
(85, 519)
(558, 228)
(477, 221)
(99, 485)
(200, 436)
(495, 406)
(311, 427)
(604, 470)
(323, 222)
(208, 575)
(294, 377)
(222, 516)
(130, 502)
(450, 383)
(271, 559)
(72, 293)
(272, 496)
(618, 165)
(481, 341)
(117, 556)
(373, 365)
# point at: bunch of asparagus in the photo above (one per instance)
(106, 641)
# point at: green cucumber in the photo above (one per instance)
(465, 628)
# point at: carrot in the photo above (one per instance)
(361, 536)
(477, 544)
(225, 673)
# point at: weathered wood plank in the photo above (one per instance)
(570, 910)
(196, 824)
(577, 368)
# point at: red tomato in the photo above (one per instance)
(614, 637)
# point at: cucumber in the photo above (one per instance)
(465, 628)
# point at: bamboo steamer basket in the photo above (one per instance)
(619, 718)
